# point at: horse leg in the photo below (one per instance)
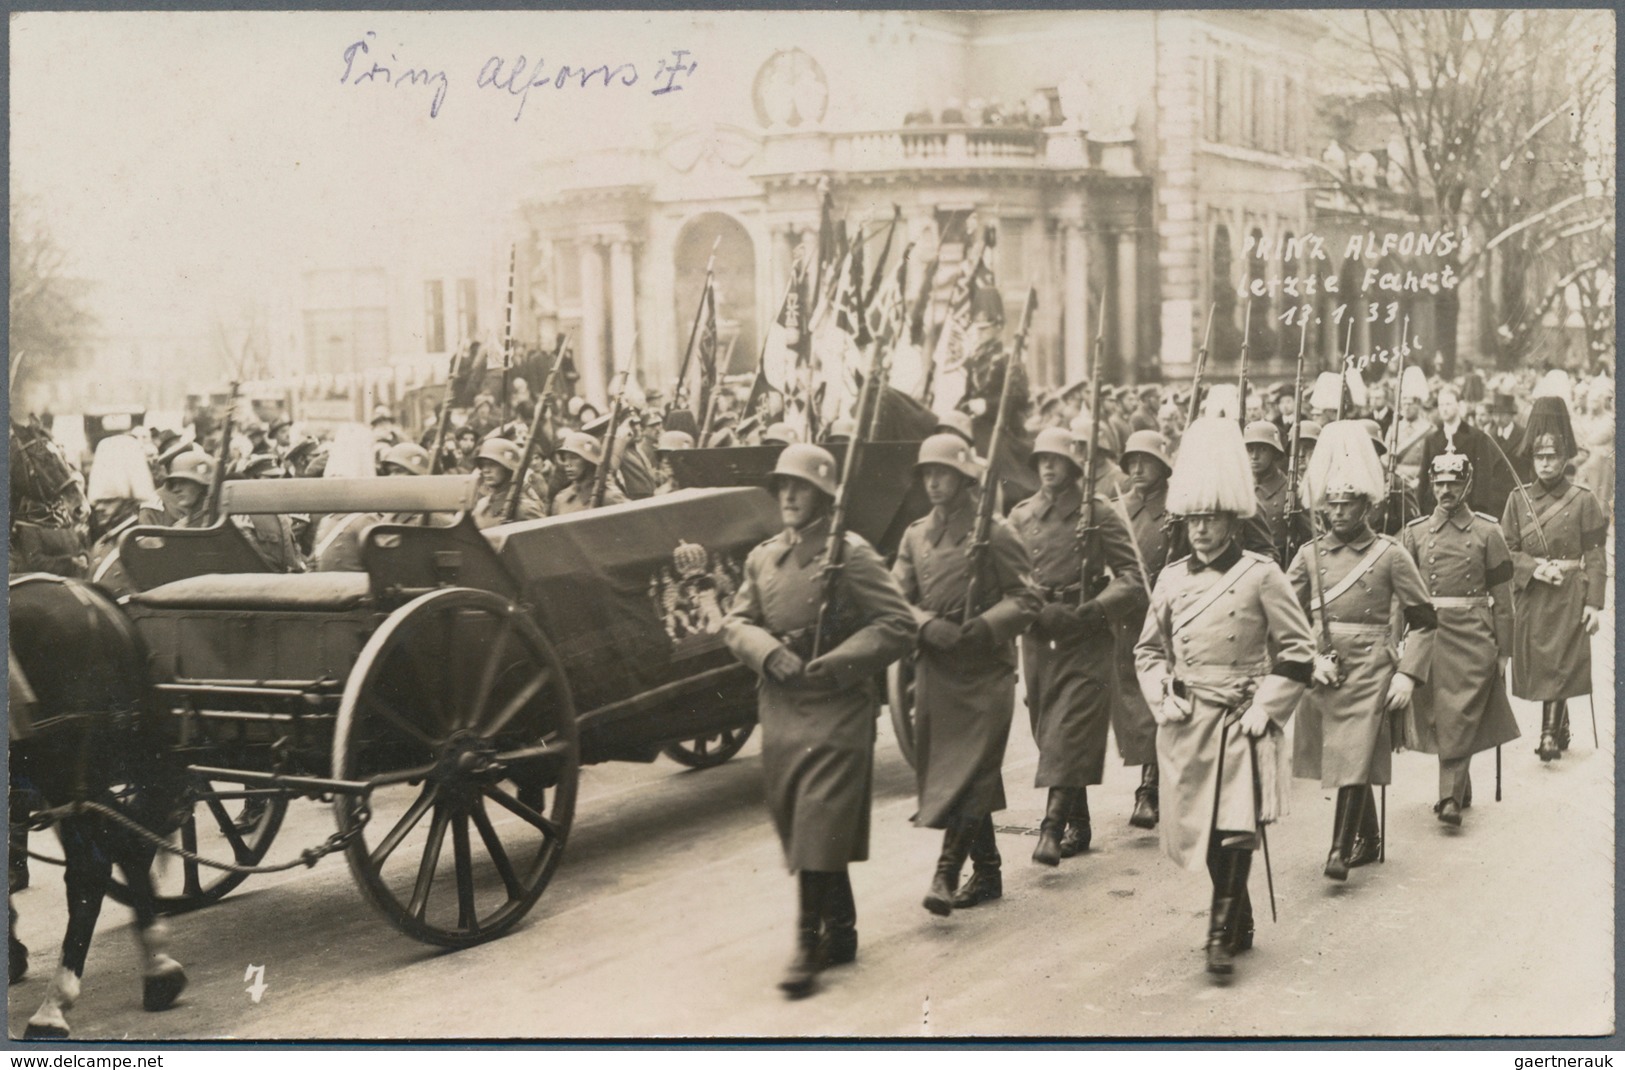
(87, 871)
(18, 952)
(162, 978)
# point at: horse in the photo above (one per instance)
(85, 728)
(49, 517)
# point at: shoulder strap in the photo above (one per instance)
(1360, 568)
(1552, 509)
(1227, 581)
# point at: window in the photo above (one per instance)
(434, 316)
(468, 321)
(1289, 118)
(1222, 110)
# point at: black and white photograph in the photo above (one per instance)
(784, 525)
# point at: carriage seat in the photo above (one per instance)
(300, 592)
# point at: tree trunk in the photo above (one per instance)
(1447, 310)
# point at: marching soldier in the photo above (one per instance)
(498, 462)
(1145, 460)
(817, 713)
(1067, 656)
(670, 441)
(580, 455)
(1109, 479)
(1267, 460)
(1462, 707)
(183, 502)
(965, 677)
(1223, 659)
(1357, 580)
(1559, 573)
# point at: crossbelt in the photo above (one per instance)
(1467, 602)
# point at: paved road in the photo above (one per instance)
(671, 914)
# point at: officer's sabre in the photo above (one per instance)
(1263, 832)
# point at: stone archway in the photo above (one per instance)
(735, 281)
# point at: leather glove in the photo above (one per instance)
(1055, 620)
(940, 635)
(1172, 709)
(818, 677)
(1399, 692)
(1592, 616)
(976, 636)
(783, 665)
(976, 406)
(1328, 672)
(1255, 722)
(1548, 572)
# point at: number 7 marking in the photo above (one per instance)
(257, 975)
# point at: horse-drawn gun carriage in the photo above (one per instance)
(445, 698)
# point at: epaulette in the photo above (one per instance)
(1170, 566)
(1486, 516)
(1419, 520)
(1256, 556)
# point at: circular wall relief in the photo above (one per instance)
(790, 90)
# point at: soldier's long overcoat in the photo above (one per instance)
(1463, 559)
(818, 747)
(1070, 679)
(1239, 638)
(1551, 653)
(1342, 735)
(1132, 723)
(964, 701)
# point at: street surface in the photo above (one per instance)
(671, 917)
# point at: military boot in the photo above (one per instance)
(1050, 830)
(1562, 732)
(1146, 814)
(1368, 834)
(986, 882)
(1548, 748)
(801, 976)
(1224, 926)
(1079, 833)
(956, 843)
(840, 941)
(1343, 824)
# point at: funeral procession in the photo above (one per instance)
(904, 525)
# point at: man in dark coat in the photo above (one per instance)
(1507, 431)
(1491, 483)
(817, 700)
(1067, 657)
(1462, 709)
(965, 678)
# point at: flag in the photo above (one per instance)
(974, 312)
(707, 353)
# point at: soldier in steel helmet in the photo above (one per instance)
(1223, 659)
(1462, 707)
(668, 443)
(1067, 656)
(965, 677)
(1370, 594)
(817, 700)
(184, 498)
(498, 462)
(579, 455)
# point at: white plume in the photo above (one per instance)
(1211, 474)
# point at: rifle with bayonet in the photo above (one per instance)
(983, 528)
(532, 443)
(1201, 366)
(601, 477)
(694, 328)
(1087, 529)
(1395, 518)
(1294, 464)
(507, 338)
(1317, 593)
(225, 452)
(835, 546)
(1241, 378)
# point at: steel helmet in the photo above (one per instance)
(950, 450)
(674, 440)
(500, 451)
(1374, 429)
(804, 461)
(1150, 444)
(1308, 430)
(1055, 442)
(1082, 428)
(580, 444)
(958, 423)
(1263, 433)
(194, 466)
(841, 430)
(410, 456)
(780, 434)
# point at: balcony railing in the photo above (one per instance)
(916, 148)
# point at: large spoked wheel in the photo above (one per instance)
(900, 700)
(459, 712)
(225, 822)
(707, 752)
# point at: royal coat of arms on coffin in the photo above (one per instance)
(691, 595)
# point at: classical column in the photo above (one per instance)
(1128, 297)
(623, 306)
(593, 378)
(1076, 297)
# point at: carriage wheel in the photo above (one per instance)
(459, 711)
(221, 823)
(707, 752)
(900, 700)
